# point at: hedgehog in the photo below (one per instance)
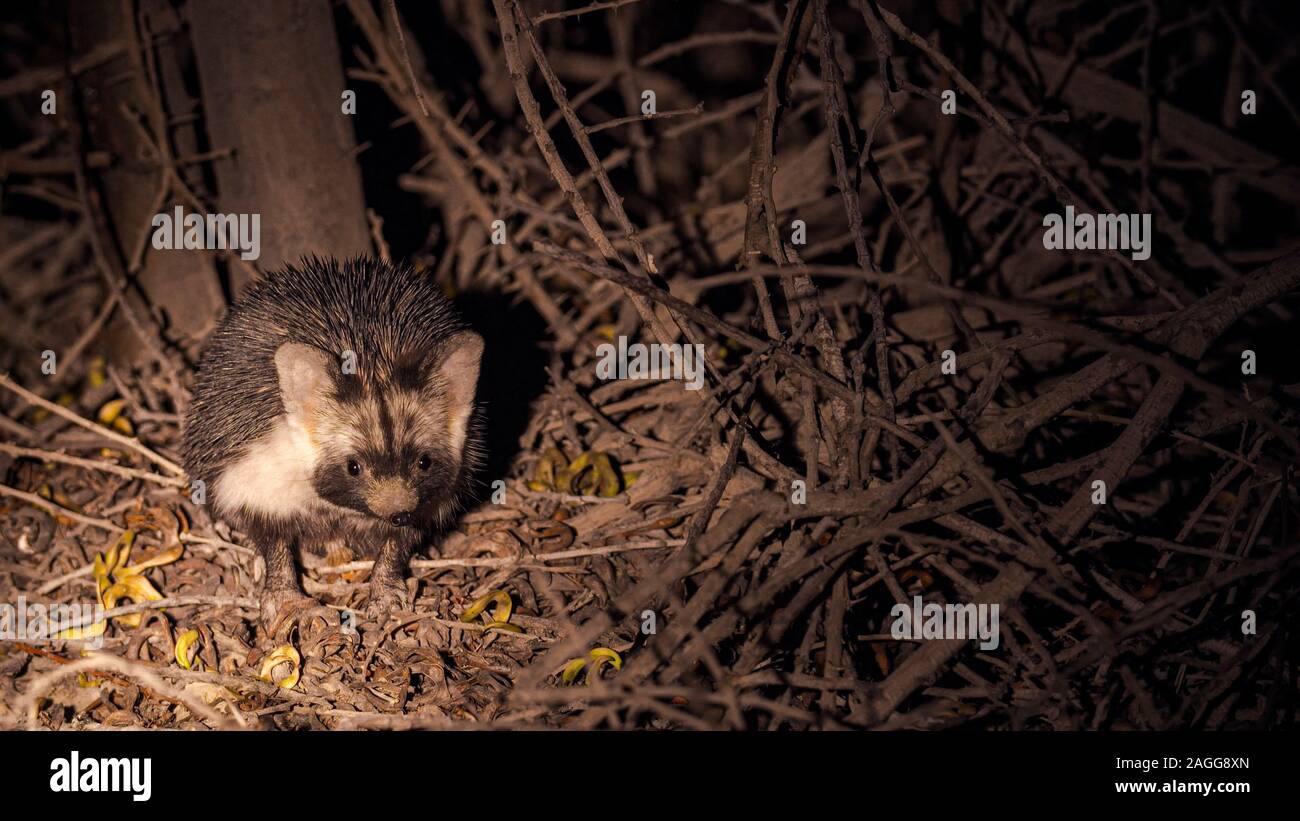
(334, 407)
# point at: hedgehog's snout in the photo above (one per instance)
(392, 498)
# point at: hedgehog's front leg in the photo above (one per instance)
(282, 596)
(388, 580)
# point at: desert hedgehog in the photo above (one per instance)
(334, 406)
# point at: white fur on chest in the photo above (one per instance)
(274, 478)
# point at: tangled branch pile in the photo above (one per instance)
(907, 394)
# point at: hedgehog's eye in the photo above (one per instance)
(354, 467)
(425, 462)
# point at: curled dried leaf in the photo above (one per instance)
(565, 475)
(185, 643)
(89, 631)
(158, 559)
(547, 535)
(97, 373)
(598, 658)
(501, 614)
(134, 589)
(601, 657)
(551, 462)
(603, 479)
(115, 580)
(281, 667)
(110, 411)
(571, 671)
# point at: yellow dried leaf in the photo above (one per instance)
(102, 581)
(134, 589)
(571, 671)
(565, 475)
(117, 555)
(607, 481)
(90, 631)
(502, 612)
(110, 561)
(553, 460)
(184, 642)
(115, 580)
(158, 559)
(599, 657)
(110, 411)
(591, 474)
(97, 374)
(281, 655)
(610, 656)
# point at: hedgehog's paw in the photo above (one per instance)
(385, 597)
(282, 607)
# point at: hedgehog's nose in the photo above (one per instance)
(390, 497)
(400, 519)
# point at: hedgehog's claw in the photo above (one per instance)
(282, 608)
(385, 597)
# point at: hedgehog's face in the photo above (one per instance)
(388, 445)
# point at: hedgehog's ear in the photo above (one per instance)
(458, 374)
(304, 376)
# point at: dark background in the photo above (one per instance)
(1121, 616)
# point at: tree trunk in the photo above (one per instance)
(272, 82)
(184, 288)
